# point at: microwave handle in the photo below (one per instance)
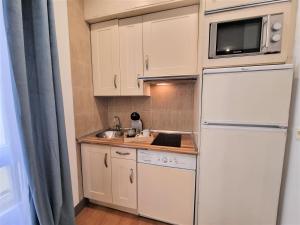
(213, 32)
(265, 37)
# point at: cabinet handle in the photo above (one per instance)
(147, 62)
(123, 153)
(138, 82)
(105, 160)
(115, 80)
(131, 176)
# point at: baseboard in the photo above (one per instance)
(112, 206)
(80, 206)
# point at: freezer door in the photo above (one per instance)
(240, 175)
(247, 97)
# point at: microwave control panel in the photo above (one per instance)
(273, 33)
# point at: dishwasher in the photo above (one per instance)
(166, 186)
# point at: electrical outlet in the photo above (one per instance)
(298, 134)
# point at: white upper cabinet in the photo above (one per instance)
(105, 58)
(158, 44)
(227, 4)
(101, 10)
(170, 42)
(96, 172)
(131, 56)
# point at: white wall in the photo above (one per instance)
(62, 34)
(290, 207)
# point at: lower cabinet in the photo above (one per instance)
(124, 185)
(109, 175)
(96, 172)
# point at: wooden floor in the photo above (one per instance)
(97, 215)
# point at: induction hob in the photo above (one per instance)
(170, 140)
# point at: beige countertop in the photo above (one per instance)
(187, 143)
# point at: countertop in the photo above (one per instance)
(187, 143)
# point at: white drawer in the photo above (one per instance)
(123, 153)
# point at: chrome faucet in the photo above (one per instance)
(117, 123)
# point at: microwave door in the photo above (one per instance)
(241, 37)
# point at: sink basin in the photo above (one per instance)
(108, 134)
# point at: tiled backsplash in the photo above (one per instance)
(170, 107)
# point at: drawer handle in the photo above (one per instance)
(105, 160)
(131, 176)
(123, 153)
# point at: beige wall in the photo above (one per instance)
(90, 113)
(62, 34)
(169, 108)
(290, 195)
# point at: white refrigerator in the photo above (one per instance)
(245, 113)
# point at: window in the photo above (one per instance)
(6, 192)
(2, 140)
(14, 191)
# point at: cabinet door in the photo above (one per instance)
(131, 55)
(149, 3)
(247, 97)
(105, 58)
(103, 10)
(240, 175)
(94, 9)
(223, 4)
(96, 172)
(170, 42)
(124, 183)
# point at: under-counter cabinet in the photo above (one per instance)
(170, 40)
(106, 58)
(124, 180)
(216, 5)
(109, 175)
(131, 57)
(96, 172)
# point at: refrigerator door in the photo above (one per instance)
(247, 95)
(240, 175)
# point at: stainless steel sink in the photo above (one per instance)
(110, 133)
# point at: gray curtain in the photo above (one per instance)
(34, 58)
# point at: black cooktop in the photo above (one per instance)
(171, 140)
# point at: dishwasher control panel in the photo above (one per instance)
(175, 160)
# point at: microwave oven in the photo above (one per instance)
(247, 36)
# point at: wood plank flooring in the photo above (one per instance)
(97, 215)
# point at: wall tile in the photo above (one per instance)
(141, 103)
(169, 108)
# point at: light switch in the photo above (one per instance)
(298, 134)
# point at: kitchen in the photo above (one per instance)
(181, 111)
(162, 66)
(158, 77)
